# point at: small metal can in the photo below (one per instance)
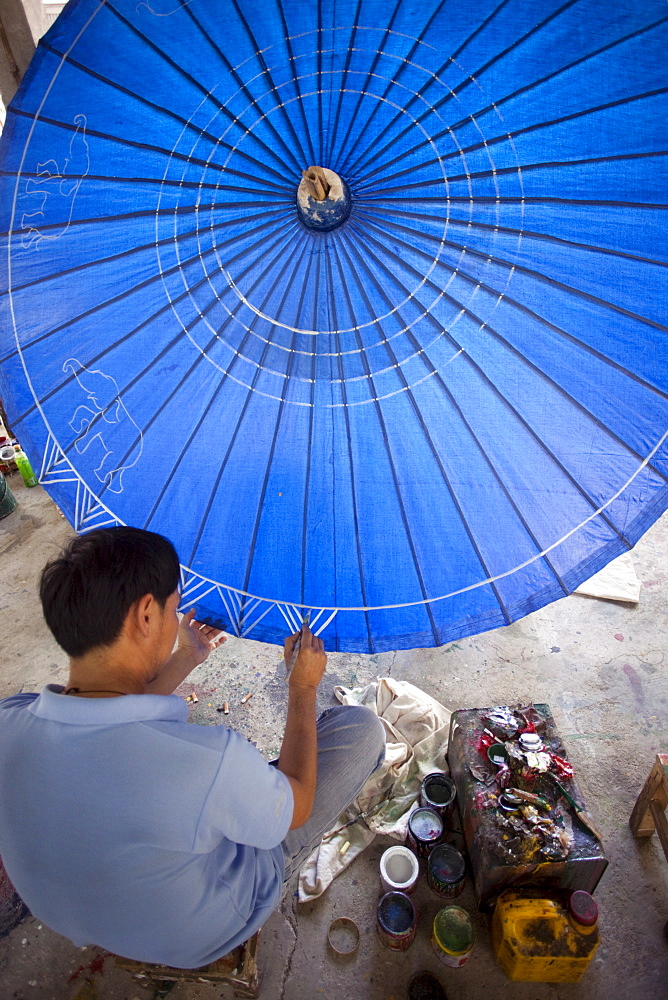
(446, 870)
(438, 792)
(396, 921)
(425, 829)
(530, 742)
(510, 802)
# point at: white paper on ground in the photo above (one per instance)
(615, 582)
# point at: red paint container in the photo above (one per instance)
(396, 921)
(425, 829)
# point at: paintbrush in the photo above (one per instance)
(580, 812)
(306, 621)
(535, 800)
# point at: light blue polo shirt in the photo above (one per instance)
(122, 825)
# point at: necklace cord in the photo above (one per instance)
(75, 690)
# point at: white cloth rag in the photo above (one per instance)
(416, 730)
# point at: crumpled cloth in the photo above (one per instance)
(416, 730)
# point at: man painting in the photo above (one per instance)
(121, 824)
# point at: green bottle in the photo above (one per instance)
(24, 466)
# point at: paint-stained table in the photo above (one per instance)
(501, 861)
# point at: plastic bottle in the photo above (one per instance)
(24, 466)
(543, 940)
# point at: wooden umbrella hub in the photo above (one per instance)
(323, 199)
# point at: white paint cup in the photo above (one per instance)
(399, 869)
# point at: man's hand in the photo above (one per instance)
(311, 660)
(299, 753)
(197, 640)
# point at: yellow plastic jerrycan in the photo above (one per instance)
(541, 940)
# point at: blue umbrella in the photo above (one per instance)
(363, 304)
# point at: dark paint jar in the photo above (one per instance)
(446, 871)
(438, 792)
(396, 921)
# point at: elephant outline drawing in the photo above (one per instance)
(51, 183)
(105, 406)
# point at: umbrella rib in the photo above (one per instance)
(510, 231)
(481, 324)
(270, 458)
(321, 119)
(341, 90)
(538, 275)
(171, 155)
(386, 440)
(166, 241)
(147, 426)
(334, 325)
(511, 200)
(430, 442)
(520, 168)
(162, 181)
(147, 213)
(200, 132)
(242, 86)
(522, 90)
(266, 71)
(507, 136)
(240, 418)
(369, 77)
(319, 280)
(451, 59)
(311, 425)
(207, 409)
(402, 65)
(295, 77)
(199, 86)
(118, 298)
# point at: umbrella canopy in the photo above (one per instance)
(362, 304)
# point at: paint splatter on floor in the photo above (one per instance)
(636, 684)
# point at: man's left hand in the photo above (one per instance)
(197, 639)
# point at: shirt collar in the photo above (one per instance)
(52, 704)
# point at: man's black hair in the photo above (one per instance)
(88, 590)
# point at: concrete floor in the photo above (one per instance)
(601, 666)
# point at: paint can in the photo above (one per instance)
(530, 742)
(425, 829)
(453, 936)
(396, 921)
(399, 870)
(438, 792)
(7, 498)
(446, 870)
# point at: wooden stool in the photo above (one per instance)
(649, 812)
(237, 969)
